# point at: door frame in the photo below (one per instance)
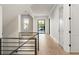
(49, 26)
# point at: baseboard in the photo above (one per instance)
(60, 46)
(74, 53)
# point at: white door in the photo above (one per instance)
(61, 25)
(75, 28)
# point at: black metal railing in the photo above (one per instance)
(14, 46)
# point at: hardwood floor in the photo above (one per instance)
(47, 46)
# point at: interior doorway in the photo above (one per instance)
(41, 26)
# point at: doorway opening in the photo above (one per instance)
(41, 26)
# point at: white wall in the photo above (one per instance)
(0, 21)
(34, 24)
(74, 27)
(54, 26)
(47, 26)
(66, 38)
(1, 29)
(11, 28)
(36, 18)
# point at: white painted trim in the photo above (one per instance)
(19, 23)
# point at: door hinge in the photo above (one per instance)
(69, 4)
(69, 31)
(69, 45)
(69, 18)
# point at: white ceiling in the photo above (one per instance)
(11, 11)
(42, 9)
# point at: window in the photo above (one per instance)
(26, 23)
(41, 26)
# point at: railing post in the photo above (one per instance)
(38, 40)
(35, 46)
